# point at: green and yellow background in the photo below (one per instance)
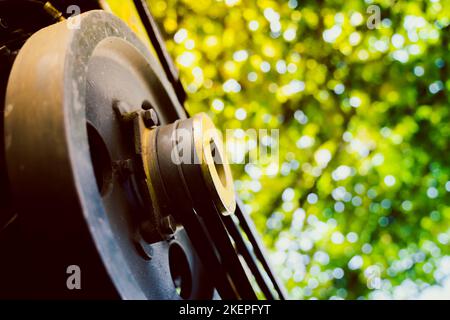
(358, 207)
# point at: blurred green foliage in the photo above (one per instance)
(359, 206)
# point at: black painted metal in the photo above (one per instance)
(180, 203)
(52, 167)
(250, 230)
(158, 44)
(208, 233)
(249, 257)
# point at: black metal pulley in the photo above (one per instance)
(109, 174)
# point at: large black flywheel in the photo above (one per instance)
(115, 191)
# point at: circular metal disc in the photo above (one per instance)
(63, 79)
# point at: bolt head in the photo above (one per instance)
(150, 118)
(124, 110)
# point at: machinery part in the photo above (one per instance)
(65, 146)
(249, 229)
(193, 148)
(19, 19)
(160, 48)
(96, 167)
(187, 158)
(53, 12)
(245, 224)
(184, 161)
